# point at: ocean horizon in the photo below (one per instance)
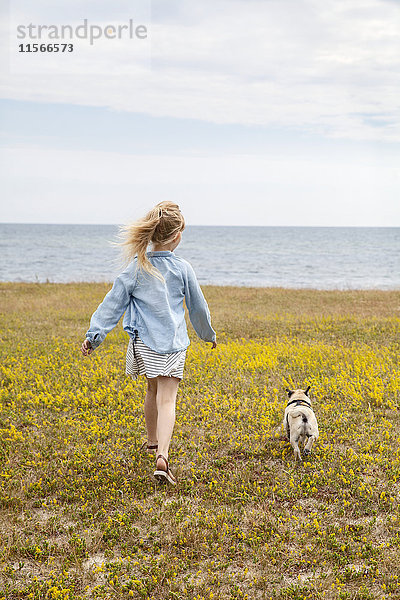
(260, 256)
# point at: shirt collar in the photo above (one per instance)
(160, 253)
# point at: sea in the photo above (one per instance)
(323, 258)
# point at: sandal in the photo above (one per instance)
(164, 475)
(148, 447)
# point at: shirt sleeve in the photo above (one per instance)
(197, 306)
(113, 307)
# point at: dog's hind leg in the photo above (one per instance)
(286, 427)
(294, 441)
(309, 445)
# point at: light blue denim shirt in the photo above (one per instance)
(154, 308)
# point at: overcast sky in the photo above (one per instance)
(245, 112)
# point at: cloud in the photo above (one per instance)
(106, 168)
(330, 67)
(48, 185)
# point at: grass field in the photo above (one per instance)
(80, 514)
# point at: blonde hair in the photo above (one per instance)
(161, 224)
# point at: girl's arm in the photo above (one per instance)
(197, 306)
(112, 308)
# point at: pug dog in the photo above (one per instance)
(300, 421)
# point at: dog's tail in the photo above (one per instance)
(296, 415)
(299, 421)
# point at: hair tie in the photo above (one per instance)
(160, 213)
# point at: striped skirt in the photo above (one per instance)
(142, 360)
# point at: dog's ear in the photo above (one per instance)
(307, 390)
(290, 392)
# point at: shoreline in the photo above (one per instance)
(225, 286)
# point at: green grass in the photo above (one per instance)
(81, 516)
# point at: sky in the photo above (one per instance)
(244, 112)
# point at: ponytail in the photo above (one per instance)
(161, 224)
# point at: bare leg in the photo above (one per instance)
(150, 411)
(167, 388)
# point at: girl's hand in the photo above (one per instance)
(86, 348)
(214, 345)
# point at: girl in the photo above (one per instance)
(150, 292)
